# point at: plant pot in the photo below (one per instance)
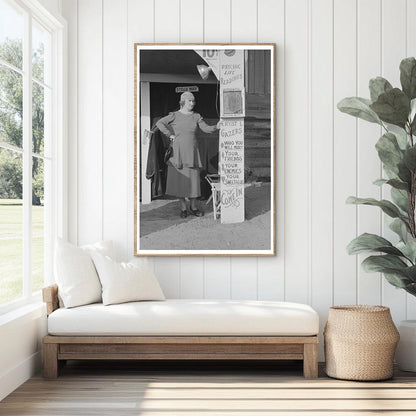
(360, 341)
(406, 349)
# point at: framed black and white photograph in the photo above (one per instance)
(204, 149)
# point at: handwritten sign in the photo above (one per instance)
(228, 67)
(231, 161)
(231, 170)
(232, 83)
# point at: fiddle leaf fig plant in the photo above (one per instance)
(394, 109)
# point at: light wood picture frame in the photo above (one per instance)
(213, 193)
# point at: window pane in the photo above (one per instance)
(41, 46)
(11, 107)
(38, 118)
(38, 230)
(11, 226)
(11, 34)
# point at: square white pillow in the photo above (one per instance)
(126, 282)
(75, 273)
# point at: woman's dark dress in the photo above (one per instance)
(183, 167)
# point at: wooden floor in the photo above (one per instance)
(221, 389)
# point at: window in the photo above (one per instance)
(31, 140)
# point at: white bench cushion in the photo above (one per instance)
(187, 317)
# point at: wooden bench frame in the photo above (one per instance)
(58, 349)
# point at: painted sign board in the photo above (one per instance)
(231, 160)
(228, 67)
(191, 88)
(231, 170)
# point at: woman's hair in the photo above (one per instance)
(181, 103)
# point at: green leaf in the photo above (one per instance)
(401, 139)
(408, 77)
(412, 109)
(380, 182)
(392, 107)
(400, 198)
(411, 289)
(400, 228)
(395, 183)
(397, 280)
(410, 272)
(404, 173)
(389, 208)
(381, 263)
(391, 174)
(412, 115)
(396, 271)
(366, 243)
(410, 158)
(389, 151)
(398, 184)
(378, 86)
(359, 107)
(408, 249)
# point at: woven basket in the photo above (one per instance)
(360, 341)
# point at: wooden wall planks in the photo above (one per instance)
(90, 121)
(326, 50)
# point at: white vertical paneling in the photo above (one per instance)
(192, 277)
(168, 272)
(140, 30)
(217, 21)
(114, 124)
(217, 28)
(345, 152)
(368, 163)
(70, 12)
(167, 29)
(192, 30)
(243, 21)
(411, 51)
(192, 21)
(244, 270)
(271, 272)
(393, 51)
(244, 278)
(90, 119)
(323, 155)
(217, 278)
(322, 111)
(296, 152)
(167, 21)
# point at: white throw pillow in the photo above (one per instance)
(75, 273)
(126, 282)
(103, 247)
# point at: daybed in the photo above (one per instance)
(181, 329)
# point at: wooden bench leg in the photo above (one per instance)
(310, 360)
(50, 360)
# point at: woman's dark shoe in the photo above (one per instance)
(196, 212)
(184, 213)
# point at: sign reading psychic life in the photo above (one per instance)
(231, 143)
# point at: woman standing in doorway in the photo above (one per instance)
(185, 163)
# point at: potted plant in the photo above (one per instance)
(394, 109)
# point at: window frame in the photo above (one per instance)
(57, 226)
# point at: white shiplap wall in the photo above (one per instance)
(326, 50)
